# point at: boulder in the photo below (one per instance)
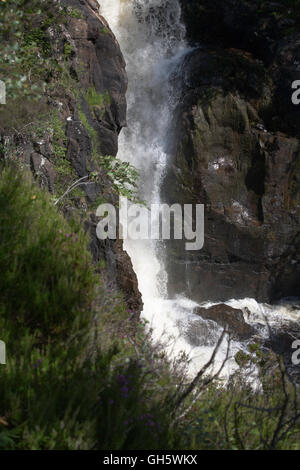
(230, 318)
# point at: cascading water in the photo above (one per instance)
(152, 39)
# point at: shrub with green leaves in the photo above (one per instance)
(123, 177)
(72, 379)
(46, 277)
(26, 46)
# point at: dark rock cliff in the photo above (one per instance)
(237, 151)
(103, 67)
(90, 111)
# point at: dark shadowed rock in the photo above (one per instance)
(230, 318)
(236, 149)
(43, 170)
(281, 342)
(102, 67)
(127, 279)
(118, 266)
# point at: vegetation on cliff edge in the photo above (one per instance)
(80, 374)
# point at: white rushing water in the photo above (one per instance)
(152, 40)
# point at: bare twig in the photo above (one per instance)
(194, 383)
(73, 186)
(209, 380)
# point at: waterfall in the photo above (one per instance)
(152, 40)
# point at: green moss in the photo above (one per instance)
(97, 99)
(105, 31)
(92, 132)
(242, 359)
(52, 124)
(72, 12)
(67, 49)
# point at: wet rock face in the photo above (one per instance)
(125, 278)
(253, 25)
(98, 63)
(102, 66)
(237, 150)
(119, 269)
(230, 318)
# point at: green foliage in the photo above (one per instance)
(246, 415)
(97, 99)
(34, 238)
(81, 374)
(72, 12)
(131, 415)
(25, 54)
(88, 127)
(123, 176)
(31, 61)
(51, 124)
(67, 49)
(71, 379)
(105, 31)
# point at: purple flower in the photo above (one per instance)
(38, 363)
(122, 379)
(124, 391)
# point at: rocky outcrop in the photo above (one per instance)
(119, 269)
(237, 150)
(258, 336)
(98, 63)
(229, 318)
(90, 111)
